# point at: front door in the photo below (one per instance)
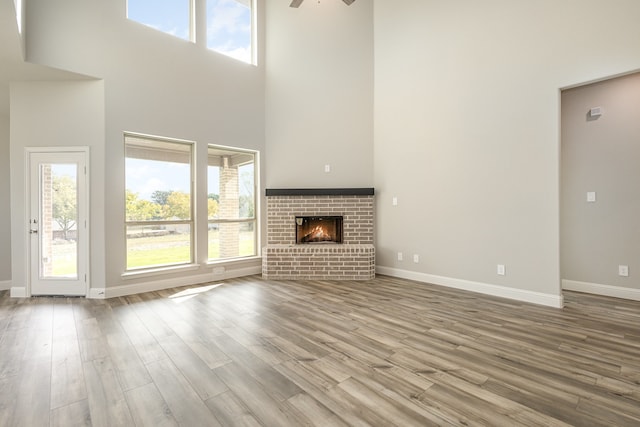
(58, 237)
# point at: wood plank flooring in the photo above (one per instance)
(252, 352)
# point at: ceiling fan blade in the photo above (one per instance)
(348, 2)
(297, 3)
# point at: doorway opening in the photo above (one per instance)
(599, 184)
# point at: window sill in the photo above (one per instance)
(227, 261)
(159, 270)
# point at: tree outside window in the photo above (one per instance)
(158, 202)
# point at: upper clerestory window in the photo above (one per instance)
(229, 23)
(169, 16)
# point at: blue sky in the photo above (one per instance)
(228, 22)
(169, 16)
(145, 176)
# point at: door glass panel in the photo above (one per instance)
(58, 220)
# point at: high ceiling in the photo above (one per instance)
(12, 65)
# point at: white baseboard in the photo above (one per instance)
(5, 285)
(18, 292)
(539, 298)
(598, 289)
(157, 285)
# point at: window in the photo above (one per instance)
(229, 28)
(19, 15)
(229, 22)
(159, 202)
(231, 203)
(170, 16)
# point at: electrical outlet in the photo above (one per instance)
(399, 256)
(623, 270)
(394, 201)
(416, 258)
(501, 270)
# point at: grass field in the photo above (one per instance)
(174, 249)
(63, 256)
(151, 251)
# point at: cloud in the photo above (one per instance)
(240, 53)
(229, 29)
(144, 177)
(228, 16)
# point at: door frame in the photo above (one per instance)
(84, 151)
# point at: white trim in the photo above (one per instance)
(96, 293)
(67, 149)
(5, 285)
(134, 274)
(26, 290)
(598, 289)
(157, 285)
(158, 138)
(225, 262)
(19, 292)
(550, 300)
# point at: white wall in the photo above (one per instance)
(5, 212)
(462, 124)
(600, 154)
(56, 114)
(467, 132)
(319, 102)
(154, 84)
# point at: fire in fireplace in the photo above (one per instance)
(316, 229)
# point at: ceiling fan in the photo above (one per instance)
(297, 3)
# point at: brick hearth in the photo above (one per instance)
(354, 259)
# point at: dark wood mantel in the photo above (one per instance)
(319, 192)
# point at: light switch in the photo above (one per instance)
(394, 201)
(595, 111)
(623, 270)
(591, 196)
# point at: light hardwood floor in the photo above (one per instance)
(251, 352)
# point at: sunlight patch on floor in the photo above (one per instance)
(187, 294)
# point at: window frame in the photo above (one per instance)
(198, 16)
(249, 220)
(155, 222)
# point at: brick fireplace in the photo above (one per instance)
(353, 259)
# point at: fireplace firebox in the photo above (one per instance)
(318, 229)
